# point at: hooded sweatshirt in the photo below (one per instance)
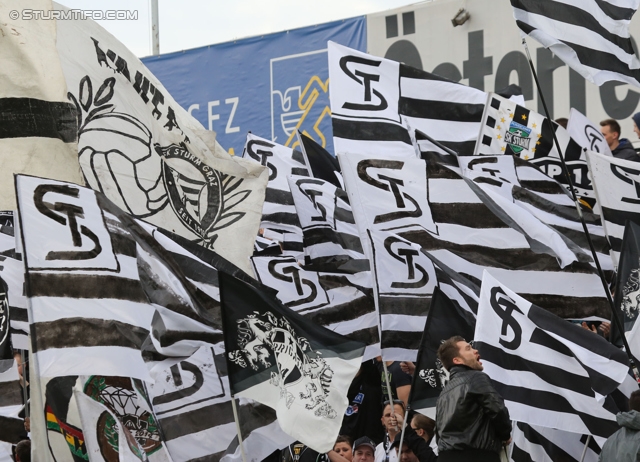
(623, 445)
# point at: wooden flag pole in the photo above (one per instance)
(565, 170)
(235, 417)
(404, 425)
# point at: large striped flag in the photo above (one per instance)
(471, 238)
(591, 36)
(12, 273)
(11, 402)
(323, 165)
(508, 128)
(550, 372)
(617, 186)
(329, 232)
(543, 444)
(374, 101)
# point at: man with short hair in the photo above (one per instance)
(624, 445)
(424, 426)
(621, 148)
(389, 419)
(472, 422)
(363, 450)
(23, 451)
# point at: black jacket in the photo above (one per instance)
(625, 151)
(471, 417)
(417, 444)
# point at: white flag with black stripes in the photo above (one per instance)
(591, 36)
(550, 372)
(617, 185)
(375, 100)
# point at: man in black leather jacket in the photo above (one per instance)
(472, 422)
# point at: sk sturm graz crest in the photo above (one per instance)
(518, 137)
(118, 395)
(201, 197)
(302, 373)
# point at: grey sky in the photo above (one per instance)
(194, 23)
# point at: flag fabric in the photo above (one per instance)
(278, 211)
(531, 442)
(586, 133)
(39, 124)
(405, 279)
(329, 233)
(617, 186)
(342, 303)
(444, 320)
(12, 274)
(265, 247)
(323, 165)
(145, 153)
(278, 358)
(508, 128)
(374, 101)
(627, 287)
(542, 217)
(471, 238)
(550, 372)
(591, 36)
(192, 404)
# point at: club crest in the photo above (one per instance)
(117, 394)
(301, 372)
(435, 377)
(518, 137)
(631, 295)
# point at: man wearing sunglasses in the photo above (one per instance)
(472, 421)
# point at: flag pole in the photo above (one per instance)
(404, 425)
(235, 417)
(386, 379)
(586, 445)
(565, 170)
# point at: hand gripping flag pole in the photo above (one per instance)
(565, 170)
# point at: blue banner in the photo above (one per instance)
(270, 85)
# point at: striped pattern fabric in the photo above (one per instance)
(508, 128)
(338, 301)
(375, 100)
(542, 444)
(11, 403)
(330, 236)
(616, 183)
(278, 211)
(591, 36)
(550, 372)
(471, 238)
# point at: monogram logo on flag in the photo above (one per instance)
(630, 176)
(410, 207)
(301, 372)
(305, 291)
(65, 227)
(416, 275)
(262, 155)
(364, 72)
(504, 307)
(594, 136)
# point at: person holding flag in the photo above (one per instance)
(472, 421)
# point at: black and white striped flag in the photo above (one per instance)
(471, 238)
(323, 165)
(508, 128)
(543, 444)
(330, 236)
(374, 100)
(550, 372)
(278, 211)
(617, 185)
(11, 403)
(340, 302)
(591, 36)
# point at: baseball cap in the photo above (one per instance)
(364, 441)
